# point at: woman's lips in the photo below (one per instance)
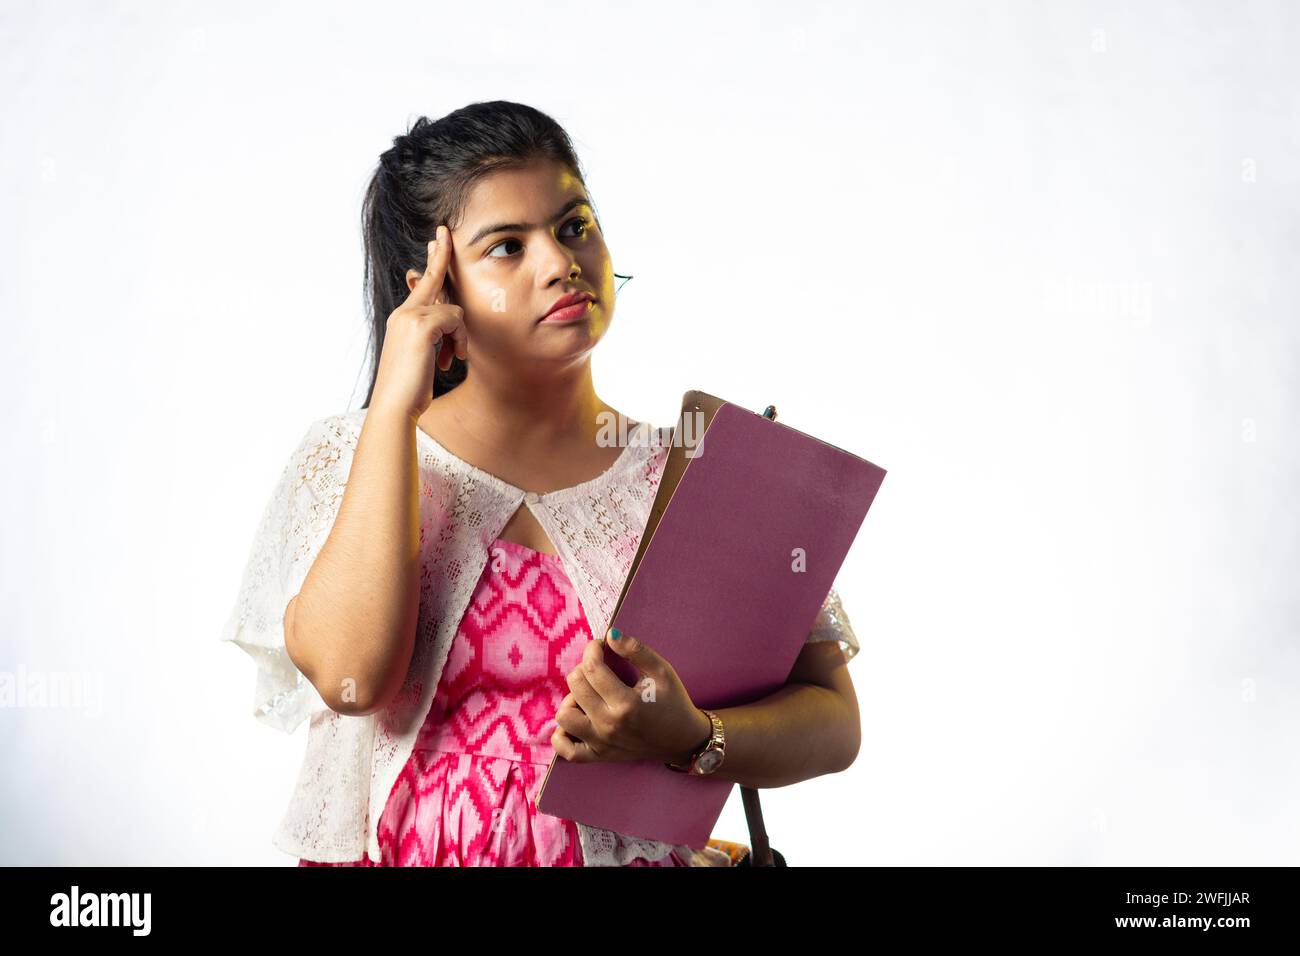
(570, 313)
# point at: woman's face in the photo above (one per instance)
(527, 237)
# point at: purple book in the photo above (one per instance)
(749, 528)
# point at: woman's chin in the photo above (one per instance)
(569, 338)
(568, 353)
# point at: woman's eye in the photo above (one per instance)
(581, 221)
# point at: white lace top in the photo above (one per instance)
(351, 763)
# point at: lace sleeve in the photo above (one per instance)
(832, 624)
(292, 530)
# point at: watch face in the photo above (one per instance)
(708, 761)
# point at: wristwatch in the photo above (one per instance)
(709, 757)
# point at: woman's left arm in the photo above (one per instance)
(808, 728)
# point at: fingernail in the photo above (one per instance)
(615, 633)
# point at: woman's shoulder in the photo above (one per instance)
(664, 433)
(658, 436)
(350, 419)
(343, 426)
(646, 442)
(662, 437)
(326, 444)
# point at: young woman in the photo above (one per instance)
(430, 576)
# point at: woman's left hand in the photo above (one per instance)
(655, 720)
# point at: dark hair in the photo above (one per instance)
(424, 181)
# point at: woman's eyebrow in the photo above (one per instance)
(525, 226)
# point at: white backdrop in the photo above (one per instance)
(1036, 260)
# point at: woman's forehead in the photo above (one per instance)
(531, 194)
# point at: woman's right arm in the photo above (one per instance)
(351, 628)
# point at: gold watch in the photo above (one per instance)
(709, 757)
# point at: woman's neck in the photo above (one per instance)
(529, 416)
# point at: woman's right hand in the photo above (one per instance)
(407, 362)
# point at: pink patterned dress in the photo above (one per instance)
(465, 796)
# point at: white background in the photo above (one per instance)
(1036, 260)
